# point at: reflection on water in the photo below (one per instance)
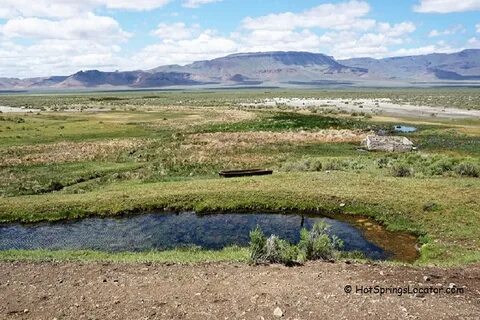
(157, 231)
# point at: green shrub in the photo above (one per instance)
(55, 186)
(430, 206)
(317, 244)
(316, 165)
(468, 169)
(403, 165)
(335, 165)
(280, 251)
(271, 250)
(314, 244)
(441, 166)
(382, 162)
(258, 243)
(401, 170)
(303, 165)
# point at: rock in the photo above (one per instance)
(426, 278)
(278, 312)
(25, 310)
(452, 285)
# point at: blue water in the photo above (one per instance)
(160, 231)
(405, 129)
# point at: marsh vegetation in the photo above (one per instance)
(109, 153)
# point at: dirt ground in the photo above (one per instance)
(232, 291)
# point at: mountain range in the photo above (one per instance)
(277, 68)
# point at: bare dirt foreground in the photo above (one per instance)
(231, 291)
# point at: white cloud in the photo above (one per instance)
(439, 47)
(70, 8)
(197, 3)
(41, 8)
(450, 31)
(136, 5)
(176, 31)
(340, 43)
(342, 16)
(64, 36)
(396, 30)
(89, 27)
(447, 6)
(474, 42)
(183, 44)
(58, 42)
(280, 40)
(205, 46)
(478, 27)
(56, 57)
(350, 44)
(348, 33)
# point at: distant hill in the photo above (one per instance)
(274, 68)
(464, 65)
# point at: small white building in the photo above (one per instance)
(388, 143)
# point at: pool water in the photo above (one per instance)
(160, 231)
(405, 129)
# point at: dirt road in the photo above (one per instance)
(232, 291)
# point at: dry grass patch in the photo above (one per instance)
(229, 140)
(187, 117)
(66, 151)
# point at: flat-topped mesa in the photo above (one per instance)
(278, 68)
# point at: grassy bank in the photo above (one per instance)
(444, 211)
(185, 256)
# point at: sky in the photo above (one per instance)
(61, 37)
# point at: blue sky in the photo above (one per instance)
(56, 37)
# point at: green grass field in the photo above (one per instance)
(163, 150)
